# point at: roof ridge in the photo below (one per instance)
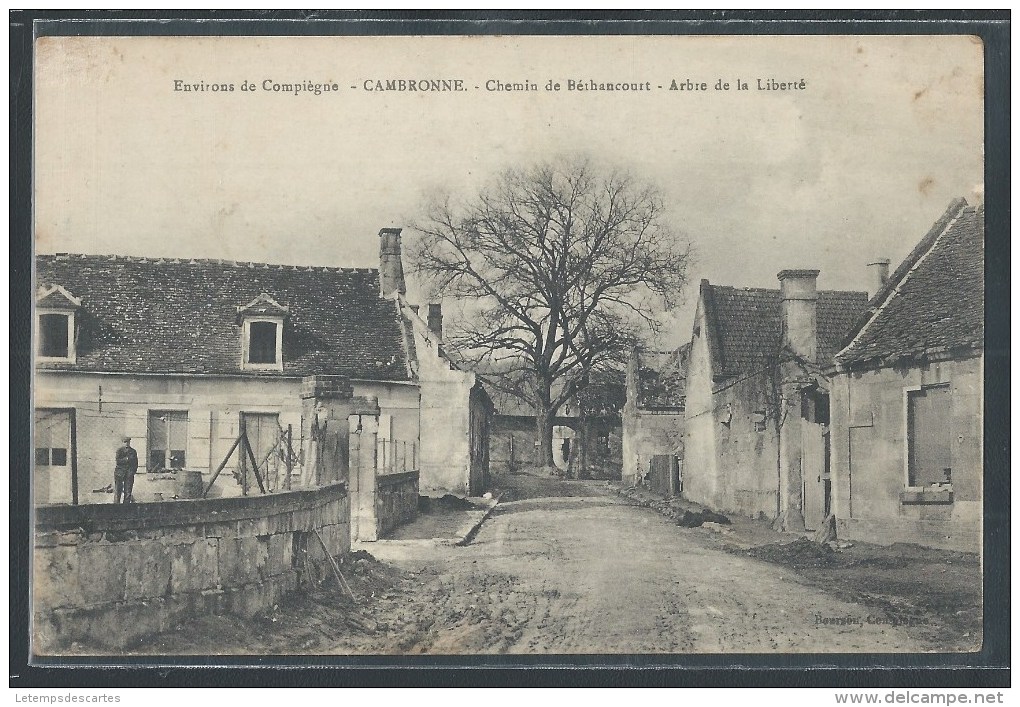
(913, 261)
(737, 288)
(744, 289)
(953, 211)
(708, 313)
(182, 260)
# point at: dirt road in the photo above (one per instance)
(592, 573)
(573, 567)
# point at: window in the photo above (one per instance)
(52, 437)
(760, 419)
(814, 406)
(55, 324)
(262, 342)
(167, 439)
(929, 428)
(54, 335)
(51, 473)
(262, 333)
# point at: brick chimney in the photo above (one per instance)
(878, 275)
(800, 311)
(391, 269)
(435, 320)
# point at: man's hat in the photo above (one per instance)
(126, 439)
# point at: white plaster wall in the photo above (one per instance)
(213, 403)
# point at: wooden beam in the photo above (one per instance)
(74, 457)
(255, 464)
(220, 467)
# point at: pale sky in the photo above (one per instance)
(857, 165)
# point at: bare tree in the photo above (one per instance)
(568, 264)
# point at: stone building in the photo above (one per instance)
(653, 418)
(178, 354)
(456, 411)
(907, 398)
(757, 397)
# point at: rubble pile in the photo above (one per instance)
(684, 513)
(799, 553)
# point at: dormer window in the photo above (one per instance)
(55, 335)
(262, 334)
(55, 325)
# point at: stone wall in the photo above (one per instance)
(514, 444)
(871, 499)
(647, 434)
(111, 575)
(730, 462)
(445, 457)
(396, 500)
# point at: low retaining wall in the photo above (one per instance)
(396, 500)
(110, 575)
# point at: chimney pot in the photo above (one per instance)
(799, 290)
(435, 319)
(391, 269)
(878, 275)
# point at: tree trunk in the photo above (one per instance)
(544, 427)
(582, 452)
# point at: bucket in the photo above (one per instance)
(190, 484)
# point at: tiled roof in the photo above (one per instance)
(181, 316)
(746, 323)
(934, 302)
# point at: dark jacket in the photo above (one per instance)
(127, 460)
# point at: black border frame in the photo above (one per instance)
(988, 668)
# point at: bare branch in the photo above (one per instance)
(573, 263)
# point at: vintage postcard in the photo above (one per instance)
(507, 345)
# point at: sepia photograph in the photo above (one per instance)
(507, 345)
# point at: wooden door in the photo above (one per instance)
(812, 460)
(52, 477)
(263, 430)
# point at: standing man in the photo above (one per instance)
(124, 473)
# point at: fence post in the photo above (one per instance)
(290, 455)
(367, 472)
(242, 430)
(74, 457)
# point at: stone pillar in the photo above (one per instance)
(364, 433)
(327, 404)
(791, 485)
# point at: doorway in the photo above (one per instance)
(52, 468)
